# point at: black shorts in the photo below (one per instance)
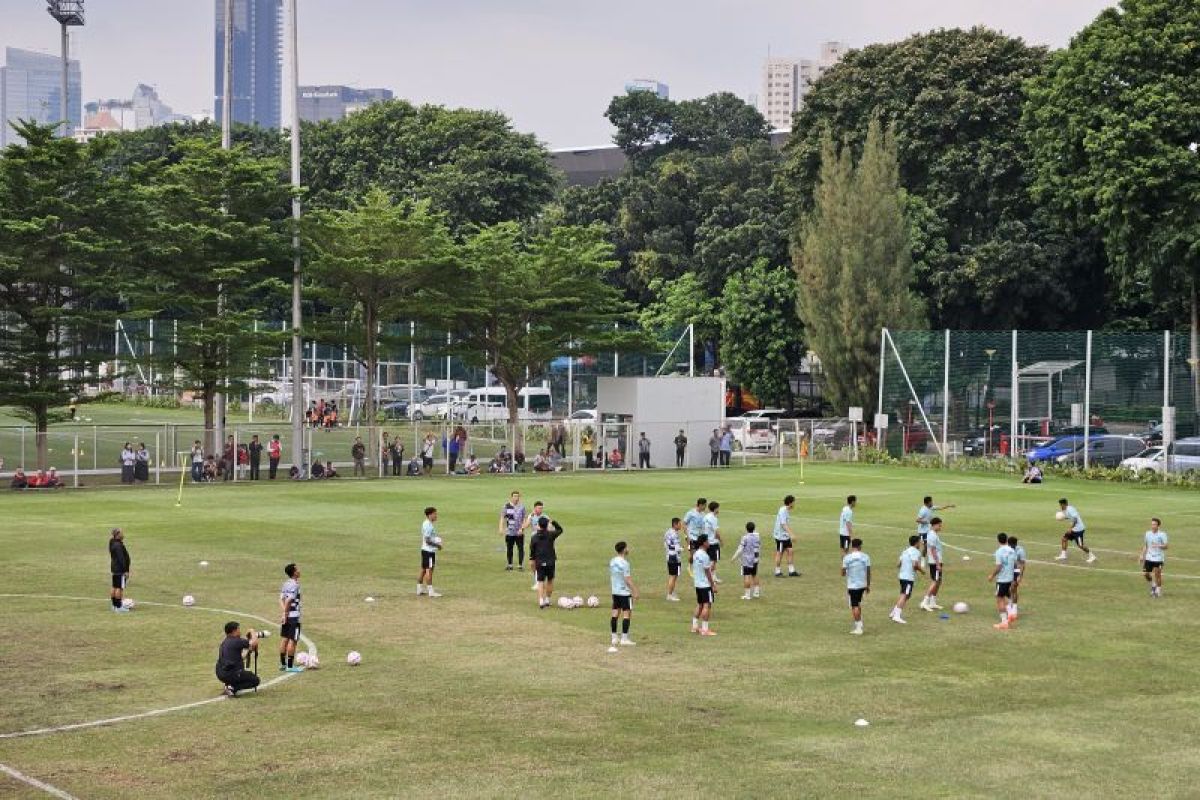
(290, 630)
(545, 572)
(714, 552)
(922, 535)
(1150, 566)
(427, 462)
(692, 546)
(856, 596)
(428, 559)
(750, 572)
(622, 602)
(1003, 590)
(673, 567)
(1076, 536)
(118, 581)
(935, 572)
(704, 597)
(783, 544)
(844, 542)
(906, 588)
(1016, 576)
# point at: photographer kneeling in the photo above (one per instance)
(231, 669)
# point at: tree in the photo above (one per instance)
(985, 257)
(853, 257)
(61, 243)
(1113, 128)
(649, 127)
(217, 253)
(516, 301)
(760, 332)
(373, 264)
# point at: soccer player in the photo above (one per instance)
(623, 595)
(910, 565)
(118, 565)
(431, 543)
(712, 529)
(1154, 555)
(706, 591)
(1074, 533)
(784, 538)
(512, 528)
(935, 559)
(289, 624)
(846, 524)
(924, 517)
(543, 556)
(748, 552)
(693, 520)
(1002, 574)
(674, 549)
(1018, 571)
(856, 568)
(531, 522)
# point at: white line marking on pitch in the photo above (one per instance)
(53, 791)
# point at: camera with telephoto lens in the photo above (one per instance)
(253, 634)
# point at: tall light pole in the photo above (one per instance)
(218, 432)
(299, 458)
(69, 14)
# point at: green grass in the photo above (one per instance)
(477, 694)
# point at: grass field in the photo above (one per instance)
(478, 694)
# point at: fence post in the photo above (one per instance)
(946, 404)
(1087, 401)
(76, 482)
(22, 447)
(1014, 404)
(157, 458)
(95, 447)
(1166, 441)
(882, 362)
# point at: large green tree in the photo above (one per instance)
(761, 336)
(63, 235)
(373, 264)
(984, 255)
(853, 257)
(648, 126)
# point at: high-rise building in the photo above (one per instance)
(648, 85)
(787, 80)
(257, 62)
(144, 110)
(31, 89)
(318, 103)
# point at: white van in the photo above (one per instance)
(490, 404)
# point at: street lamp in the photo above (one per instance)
(69, 14)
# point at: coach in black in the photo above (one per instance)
(255, 449)
(231, 670)
(541, 552)
(118, 565)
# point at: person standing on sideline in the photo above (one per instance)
(397, 457)
(935, 559)
(141, 467)
(748, 552)
(693, 520)
(680, 449)
(587, 443)
(674, 557)
(431, 543)
(229, 458)
(846, 524)
(924, 516)
(1154, 556)
(1003, 574)
(623, 595)
(784, 538)
(256, 449)
(274, 453)
(128, 460)
(427, 448)
(910, 565)
(712, 529)
(197, 461)
(726, 446)
(544, 557)
(358, 452)
(714, 448)
(643, 452)
(706, 590)
(289, 624)
(1018, 571)
(231, 670)
(856, 569)
(452, 450)
(118, 565)
(512, 528)
(1074, 533)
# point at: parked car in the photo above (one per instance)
(1183, 430)
(1055, 449)
(765, 413)
(396, 409)
(490, 403)
(438, 406)
(834, 433)
(979, 443)
(751, 433)
(1152, 459)
(583, 418)
(1105, 451)
(1184, 454)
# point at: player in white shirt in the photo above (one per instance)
(1018, 571)
(748, 552)
(784, 538)
(1074, 533)
(706, 591)
(623, 595)
(1154, 556)
(936, 561)
(693, 520)
(910, 565)
(846, 524)
(1003, 574)
(856, 568)
(673, 548)
(431, 543)
(712, 529)
(925, 519)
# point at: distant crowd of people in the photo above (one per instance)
(322, 414)
(42, 479)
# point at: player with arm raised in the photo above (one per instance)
(925, 514)
(1074, 533)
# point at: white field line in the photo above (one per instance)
(53, 791)
(157, 712)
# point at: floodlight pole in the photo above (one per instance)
(218, 432)
(68, 13)
(299, 458)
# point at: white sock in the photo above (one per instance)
(704, 625)
(1004, 616)
(791, 569)
(1063, 554)
(420, 588)
(1012, 609)
(695, 622)
(858, 625)
(895, 611)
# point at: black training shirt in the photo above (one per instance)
(118, 557)
(229, 656)
(541, 546)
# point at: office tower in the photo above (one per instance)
(31, 89)
(257, 62)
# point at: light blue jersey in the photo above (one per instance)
(846, 519)
(712, 527)
(428, 535)
(618, 571)
(933, 547)
(694, 521)
(908, 562)
(1006, 559)
(924, 515)
(1076, 520)
(783, 523)
(1155, 542)
(700, 565)
(1019, 550)
(856, 563)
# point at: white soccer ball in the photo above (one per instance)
(128, 603)
(437, 540)
(302, 659)
(861, 723)
(354, 658)
(369, 600)
(593, 602)
(189, 601)
(313, 663)
(966, 558)
(1060, 515)
(564, 602)
(577, 601)
(961, 608)
(203, 564)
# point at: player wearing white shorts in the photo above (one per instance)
(784, 538)
(1074, 533)
(846, 524)
(748, 552)
(1002, 574)
(936, 562)
(856, 569)
(1154, 556)
(909, 565)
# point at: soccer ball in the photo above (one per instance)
(128, 603)
(189, 601)
(593, 602)
(577, 601)
(961, 608)
(302, 659)
(1060, 515)
(353, 658)
(437, 540)
(313, 663)
(564, 602)
(203, 563)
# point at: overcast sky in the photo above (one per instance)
(551, 65)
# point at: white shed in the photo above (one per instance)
(661, 407)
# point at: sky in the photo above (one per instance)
(550, 65)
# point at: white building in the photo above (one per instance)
(650, 85)
(787, 80)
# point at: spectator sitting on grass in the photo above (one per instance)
(555, 461)
(52, 480)
(1033, 474)
(330, 471)
(318, 470)
(615, 459)
(19, 481)
(497, 464)
(541, 463)
(210, 471)
(294, 473)
(414, 466)
(518, 461)
(472, 465)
